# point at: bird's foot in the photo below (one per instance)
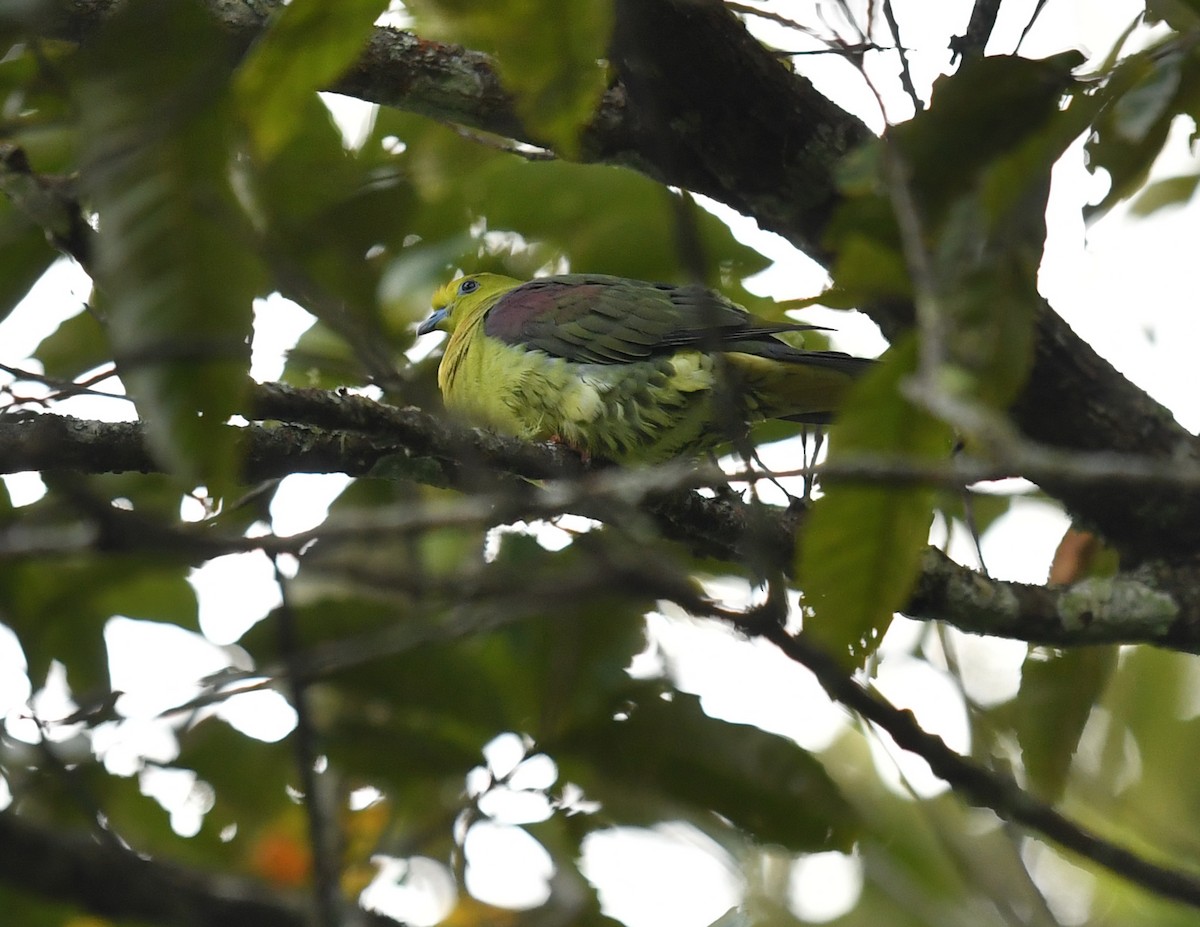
(584, 456)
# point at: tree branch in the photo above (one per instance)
(979, 784)
(117, 883)
(979, 29)
(714, 112)
(1157, 603)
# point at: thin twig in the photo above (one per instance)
(905, 72)
(975, 783)
(1037, 11)
(66, 387)
(508, 146)
(322, 834)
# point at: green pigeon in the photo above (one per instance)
(623, 369)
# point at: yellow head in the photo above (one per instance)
(464, 299)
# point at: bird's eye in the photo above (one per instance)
(468, 286)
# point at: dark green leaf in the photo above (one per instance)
(661, 757)
(221, 757)
(991, 107)
(58, 609)
(24, 257)
(308, 44)
(33, 910)
(1181, 15)
(549, 55)
(174, 256)
(1058, 692)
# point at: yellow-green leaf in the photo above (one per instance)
(308, 45)
(550, 55)
(861, 549)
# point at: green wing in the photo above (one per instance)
(598, 319)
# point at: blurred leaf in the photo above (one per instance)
(549, 55)
(661, 756)
(437, 695)
(78, 345)
(860, 550)
(221, 757)
(24, 257)
(332, 241)
(571, 895)
(1181, 15)
(988, 311)
(307, 45)
(174, 258)
(979, 206)
(734, 917)
(34, 910)
(598, 218)
(868, 267)
(992, 106)
(985, 208)
(322, 360)
(39, 115)
(146, 825)
(1173, 191)
(979, 509)
(1147, 91)
(564, 668)
(1057, 694)
(58, 609)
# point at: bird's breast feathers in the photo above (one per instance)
(622, 412)
(623, 369)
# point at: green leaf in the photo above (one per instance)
(661, 757)
(549, 55)
(572, 896)
(221, 757)
(1181, 15)
(308, 44)
(30, 909)
(174, 257)
(1173, 191)
(334, 240)
(1146, 92)
(991, 107)
(79, 344)
(868, 268)
(1057, 694)
(860, 552)
(58, 610)
(24, 257)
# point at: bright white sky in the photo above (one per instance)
(1126, 285)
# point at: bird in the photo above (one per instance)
(624, 370)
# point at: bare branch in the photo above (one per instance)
(322, 830)
(979, 29)
(982, 786)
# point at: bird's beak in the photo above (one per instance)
(432, 322)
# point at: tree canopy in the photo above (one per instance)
(476, 637)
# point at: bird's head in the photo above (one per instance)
(464, 299)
